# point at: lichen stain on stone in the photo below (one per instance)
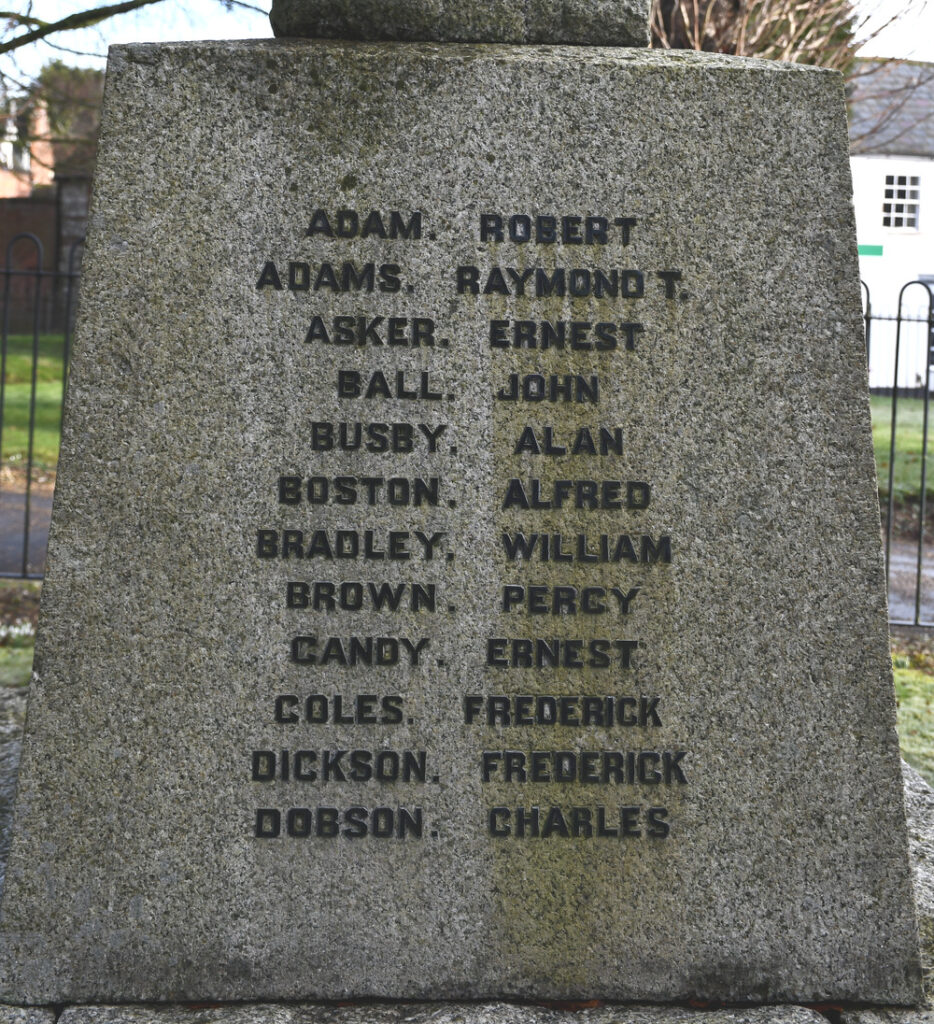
(542, 886)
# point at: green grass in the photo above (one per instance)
(915, 693)
(19, 358)
(19, 610)
(15, 665)
(16, 400)
(909, 440)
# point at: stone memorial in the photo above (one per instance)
(465, 577)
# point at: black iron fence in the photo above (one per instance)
(899, 351)
(37, 303)
(36, 318)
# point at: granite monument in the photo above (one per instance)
(465, 577)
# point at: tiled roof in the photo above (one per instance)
(892, 108)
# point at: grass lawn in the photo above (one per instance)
(15, 665)
(19, 613)
(915, 692)
(909, 437)
(17, 391)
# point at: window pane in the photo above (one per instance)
(901, 201)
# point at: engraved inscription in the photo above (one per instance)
(588, 583)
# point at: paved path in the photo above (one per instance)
(12, 522)
(903, 575)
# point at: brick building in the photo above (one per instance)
(45, 194)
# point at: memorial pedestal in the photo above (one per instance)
(465, 578)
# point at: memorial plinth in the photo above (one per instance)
(465, 575)
(595, 22)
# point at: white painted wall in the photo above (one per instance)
(906, 255)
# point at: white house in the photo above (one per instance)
(892, 159)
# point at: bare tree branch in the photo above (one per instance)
(247, 7)
(824, 32)
(899, 94)
(81, 19)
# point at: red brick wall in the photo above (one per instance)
(36, 216)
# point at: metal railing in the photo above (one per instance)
(36, 310)
(899, 351)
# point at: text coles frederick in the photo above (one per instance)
(337, 709)
(569, 710)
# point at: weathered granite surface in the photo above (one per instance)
(919, 807)
(436, 1013)
(578, 22)
(888, 1017)
(26, 1015)
(12, 715)
(761, 854)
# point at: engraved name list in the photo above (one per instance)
(567, 708)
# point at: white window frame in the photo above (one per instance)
(901, 203)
